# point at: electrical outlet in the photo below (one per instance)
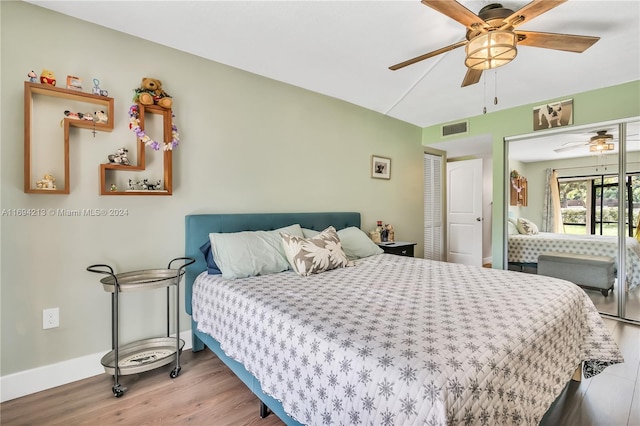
(50, 318)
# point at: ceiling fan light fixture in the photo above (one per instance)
(600, 147)
(492, 49)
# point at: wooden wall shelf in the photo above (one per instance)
(105, 170)
(519, 195)
(110, 168)
(30, 89)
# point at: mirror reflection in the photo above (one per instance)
(566, 191)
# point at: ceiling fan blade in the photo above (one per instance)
(427, 55)
(457, 12)
(566, 42)
(472, 77)
(531, 10)
(570, 147)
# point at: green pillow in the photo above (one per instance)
(356, 244)
(249, 253)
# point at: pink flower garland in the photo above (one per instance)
(134, 124)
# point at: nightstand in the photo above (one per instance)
(401, 248)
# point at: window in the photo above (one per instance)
(574, 200)
(590, 204)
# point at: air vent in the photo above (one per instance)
(455, 128)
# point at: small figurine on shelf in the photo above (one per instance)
(113, 188)
(33, 77)
(48, 182)
(48, 77)
(391, 235)
(151, 186)
(97, 90)
(384, 234)
(100, 117)
(133, 185)
(120, 157)
(376, 234)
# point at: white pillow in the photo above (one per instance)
(525, 226)
(248, 253)
(512, 229)
(314, 255)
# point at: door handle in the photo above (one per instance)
(478, 219)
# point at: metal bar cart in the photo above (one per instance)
(147, 354)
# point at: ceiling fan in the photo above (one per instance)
(491, 37)
(601, 142)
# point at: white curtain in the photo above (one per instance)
(551, 212)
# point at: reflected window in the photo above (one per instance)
(589, 204)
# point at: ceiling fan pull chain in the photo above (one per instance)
(484, 96)
(495, 99)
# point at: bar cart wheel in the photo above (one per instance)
(118, 390)
(174, 373)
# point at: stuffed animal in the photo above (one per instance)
(120, 157)
(100, 117)
(48, 77)
(33, 77)
(48, 182)
(150, 92)
(74, 115)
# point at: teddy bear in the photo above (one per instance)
(150, 92)
(48, 182)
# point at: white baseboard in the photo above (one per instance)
(487, 260)
(50, 376)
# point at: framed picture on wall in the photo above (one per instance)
(380, 167)
(555, 114)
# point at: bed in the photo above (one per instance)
(392, 340)
(524, 249)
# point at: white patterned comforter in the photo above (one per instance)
(397, 340)
(527, 248)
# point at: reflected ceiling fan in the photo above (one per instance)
(491, 39)
(601, 142)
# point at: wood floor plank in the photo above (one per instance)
(628, 339)
(205, 393)
(607, 402)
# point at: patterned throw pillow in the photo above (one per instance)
(314, 255)
(525, 226)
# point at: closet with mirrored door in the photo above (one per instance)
(576, 191)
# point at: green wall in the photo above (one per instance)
(248, 144)
(611, 103)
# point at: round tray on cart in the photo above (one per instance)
(142, 355)
(142, 280)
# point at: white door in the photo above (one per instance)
(464, 212)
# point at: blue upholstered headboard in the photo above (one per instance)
(198, 227)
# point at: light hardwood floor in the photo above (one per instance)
(207, 393)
